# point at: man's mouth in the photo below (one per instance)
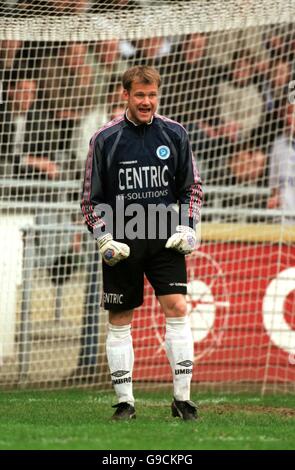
(144, 110)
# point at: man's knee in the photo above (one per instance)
(178, 309)
(120, 318)
(175, 306)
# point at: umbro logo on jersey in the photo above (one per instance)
(120, 373)
(186, 363)
(163, 152)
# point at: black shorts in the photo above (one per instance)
(123, 284)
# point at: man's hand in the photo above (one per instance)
(274, 201)
(184, 240)
(44, 165)
(111, 251)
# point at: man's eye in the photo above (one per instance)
(149, 96)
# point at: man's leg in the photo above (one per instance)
(180, 351)
(120, 359)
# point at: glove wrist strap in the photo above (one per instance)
(104, 239)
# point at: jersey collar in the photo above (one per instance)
(133, 123)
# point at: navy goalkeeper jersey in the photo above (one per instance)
(143, 164)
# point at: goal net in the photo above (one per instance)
(227, 75)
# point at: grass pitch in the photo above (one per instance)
(79, 419)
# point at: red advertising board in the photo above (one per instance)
(241, 299)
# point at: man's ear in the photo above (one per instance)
(125, 94)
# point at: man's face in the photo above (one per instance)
(23, 95)
(290, 119)
(242, 71)
(107, 51)
(142, 102)
(74, 55)
(194, 47)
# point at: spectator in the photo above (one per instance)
(106, 61)
(100, 6)
(241, 103)
(282, 167)
(51, 7)
(149, 51)
(244, 165)
(48, 151)
(193, 99)
(8, 51)
(247, 165)
(212, 145)
(96, 117)
(43, 144)
(15, 116)
(115, 95)
(65, 97)
(67, 83)
(275, 93)
(280, 42)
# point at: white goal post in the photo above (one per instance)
(226, 69)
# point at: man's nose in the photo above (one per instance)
(146, 99)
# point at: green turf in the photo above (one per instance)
(80, 419)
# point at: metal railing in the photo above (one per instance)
(212, 208)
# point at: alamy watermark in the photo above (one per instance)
(153, 221)
(292, 359)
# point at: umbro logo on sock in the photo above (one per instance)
(126, 380)
(183, 371)
(120, 373)
(185, 363)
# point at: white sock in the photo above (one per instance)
(180, 352)
(121, 359)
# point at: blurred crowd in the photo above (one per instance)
(231, 95)
(66, 7)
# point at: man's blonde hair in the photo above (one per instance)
(140, 74)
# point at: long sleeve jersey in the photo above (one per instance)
(147, 164)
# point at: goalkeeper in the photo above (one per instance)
(143, 158)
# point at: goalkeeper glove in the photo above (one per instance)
(111, 251)
(184, 240)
